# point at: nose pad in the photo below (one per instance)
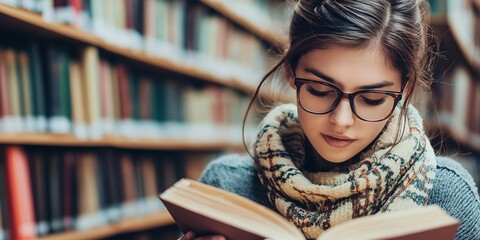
(343, 114)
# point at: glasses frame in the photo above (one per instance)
(299, 82)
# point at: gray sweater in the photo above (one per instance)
(453, 189)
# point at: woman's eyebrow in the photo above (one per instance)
(333, 81)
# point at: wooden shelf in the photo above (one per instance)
(51, 139)
(262, 32)
(33, 23)
(158, 219)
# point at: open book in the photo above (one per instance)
(208, 210)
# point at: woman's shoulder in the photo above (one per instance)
(453, 177)
(227, 167)
(455, 191)
(237, 174)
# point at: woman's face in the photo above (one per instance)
(340, 135)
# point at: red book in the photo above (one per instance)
(125, 97)
(20, 199)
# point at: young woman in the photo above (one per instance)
(352, 144)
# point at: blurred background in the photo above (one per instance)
(104, 104)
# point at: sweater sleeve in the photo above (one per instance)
(454, 190)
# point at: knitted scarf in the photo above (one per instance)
(384, 178)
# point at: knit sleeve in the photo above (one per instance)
(455, 191)
(236, 174)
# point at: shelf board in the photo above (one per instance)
(262, 32)
(51, 139)
(34, 23)
(158, 219)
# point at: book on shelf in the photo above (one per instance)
(208, 210)
(19, 196)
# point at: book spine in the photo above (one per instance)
(37, 90)
(90, 63)
(38, 171)
(4, 96)
(14, 123)
(22, 216)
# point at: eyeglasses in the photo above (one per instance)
(368, 105)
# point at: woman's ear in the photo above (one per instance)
(289, 74)
(407, 90)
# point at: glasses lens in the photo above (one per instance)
(317, 97)
(373, 106)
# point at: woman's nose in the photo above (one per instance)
(342, 115)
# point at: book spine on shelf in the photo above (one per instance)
(14, 122)
(90, 62)
(89, 212)
(37, 89)
(38, 171)
(4, 90)
(20, 199)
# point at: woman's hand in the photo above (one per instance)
(192, 236)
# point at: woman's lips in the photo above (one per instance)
(337, 142)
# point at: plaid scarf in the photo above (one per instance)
(385, 178)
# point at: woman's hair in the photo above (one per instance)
(398, 27)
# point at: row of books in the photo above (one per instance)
(52, 89)
(187, 32)
(51, 190)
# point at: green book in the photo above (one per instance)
(37, 87)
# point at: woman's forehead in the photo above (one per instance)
(349, 67)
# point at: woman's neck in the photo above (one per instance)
(316, 163)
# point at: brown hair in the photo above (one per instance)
(399, 27)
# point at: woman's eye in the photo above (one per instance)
(373, 102)
(319, 93)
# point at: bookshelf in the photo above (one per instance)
(457, 90)
(45, 157)
(31, 22)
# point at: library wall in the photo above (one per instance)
(105, 104)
